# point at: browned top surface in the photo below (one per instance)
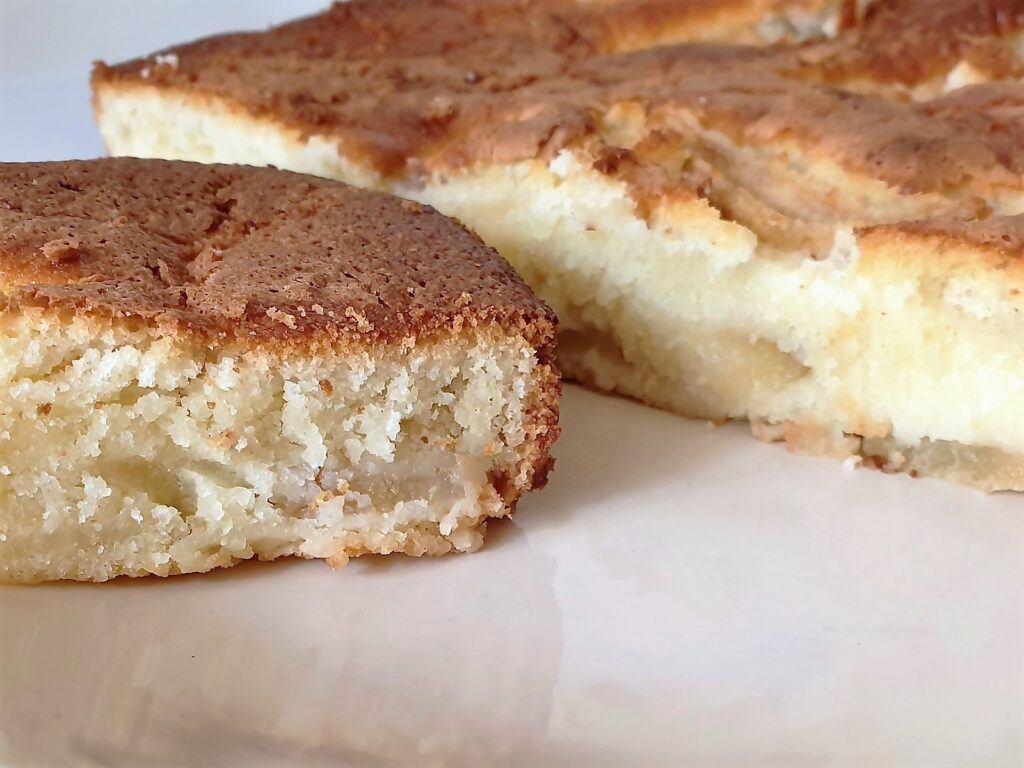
(408, 81)
(251, 254)
(910, 42)
(1004, 234)
(414, 84)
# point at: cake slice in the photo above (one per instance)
(203, 364)
(778, 233)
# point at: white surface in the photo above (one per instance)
(677, 596)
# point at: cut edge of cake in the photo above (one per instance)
(248, 453)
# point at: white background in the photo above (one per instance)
(677, 596)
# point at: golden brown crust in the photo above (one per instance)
(542, 430)
(626, 25)
(422, 86)
(909, 42)
(1005, 233)
(256, 256)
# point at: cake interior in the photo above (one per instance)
(130, 450)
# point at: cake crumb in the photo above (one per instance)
(61, 250)
(166, 60)
(282, 317)
(338, 561)
(362, 323)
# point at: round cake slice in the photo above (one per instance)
(201, 364)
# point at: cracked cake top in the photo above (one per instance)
(254, 255)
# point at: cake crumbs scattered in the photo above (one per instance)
(338, 561)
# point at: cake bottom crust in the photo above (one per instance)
(985, 468)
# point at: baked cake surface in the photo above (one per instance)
(202, 364)
(814, 231)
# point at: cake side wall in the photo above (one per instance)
(132, 452)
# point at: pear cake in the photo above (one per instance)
(202, 364)
(806, 215)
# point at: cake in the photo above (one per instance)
(816, 231)
(203, 364)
